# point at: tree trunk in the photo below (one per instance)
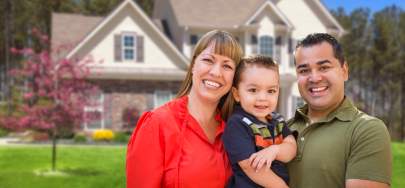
(402, 99)
(7, 41)
(54, 149)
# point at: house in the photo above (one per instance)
(145, 58)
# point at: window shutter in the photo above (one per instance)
(117, 48)
(253, 39)
(139, 49)
(279, 41)
(290, 45)
(193, 39)
(254, 42)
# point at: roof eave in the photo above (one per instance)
(339, 28)
(134, 73)
(283, 18)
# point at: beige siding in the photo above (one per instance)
(302, 17)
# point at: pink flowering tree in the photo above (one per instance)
(54, 95)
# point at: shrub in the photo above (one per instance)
(103, 135)
(40, 136)
(3, 132)
(34, 135)
(79, 138)
(121, 137)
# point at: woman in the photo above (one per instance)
(179, 144)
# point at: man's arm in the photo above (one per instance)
(288, 149)
(357, 183)
(370, 160)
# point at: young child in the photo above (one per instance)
(255, 135)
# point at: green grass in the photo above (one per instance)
(98, 167)
(398, 172)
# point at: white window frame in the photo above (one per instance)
(156, 94)
(124, 47)
(94, 108)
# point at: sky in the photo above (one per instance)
(373, 5)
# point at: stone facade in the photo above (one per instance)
(119, 95)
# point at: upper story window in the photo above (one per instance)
(128, 47)
(266, 44)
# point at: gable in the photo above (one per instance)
(270, 17)
(308, 16)
(159, 54)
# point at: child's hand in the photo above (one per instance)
(264, 156)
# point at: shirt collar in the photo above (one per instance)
(345, 112)
(239, 110)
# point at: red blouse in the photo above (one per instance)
(169, 149)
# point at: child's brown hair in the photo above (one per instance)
(254, 60)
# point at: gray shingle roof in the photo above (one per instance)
(69, 29)
(214, 13)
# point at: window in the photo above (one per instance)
(161, 97)
(266, 44)
(95, 113)
(128, 46)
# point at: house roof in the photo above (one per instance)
(333, 23)
(231, 14)
(69, 29)
(214, 13)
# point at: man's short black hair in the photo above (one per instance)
(318, 38)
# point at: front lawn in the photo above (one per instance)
(398, 163)
(86, 166)
(96, 166)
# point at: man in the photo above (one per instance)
(338, 145)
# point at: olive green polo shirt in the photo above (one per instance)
(347, 144)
